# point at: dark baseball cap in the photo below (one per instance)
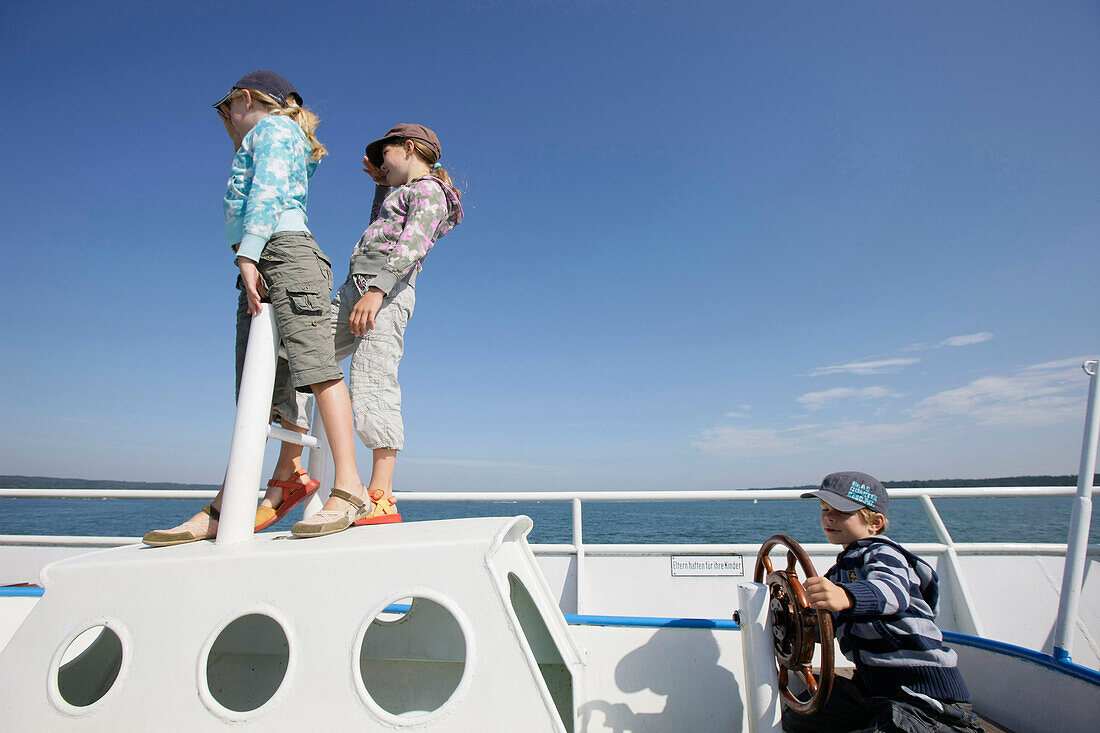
(852, 490)
(405, 131)
(268, 82)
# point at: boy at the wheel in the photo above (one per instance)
(883, 601)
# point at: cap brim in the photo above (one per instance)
(374, 151)
(836, 501)
(224, 99)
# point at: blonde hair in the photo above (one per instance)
(868, 516)
(425, 154)
(305, 119)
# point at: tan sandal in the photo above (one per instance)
(331, 521)
(384, 510)
(165, 537)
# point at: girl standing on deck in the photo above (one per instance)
(281, 264)
(371, 309)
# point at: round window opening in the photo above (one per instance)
(89, 666)
(247, 662)
(412, 661)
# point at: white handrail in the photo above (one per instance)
(919, 548)
(970, 624)
(578, 549)
(289, 436)
(250, 431)
(1074, 573)
(949, 492)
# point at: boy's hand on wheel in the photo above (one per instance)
(825, 595)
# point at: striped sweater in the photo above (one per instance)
(890, 631)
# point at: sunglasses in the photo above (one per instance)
(223, 106)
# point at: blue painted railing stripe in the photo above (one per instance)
(1019, 652)
(23, 591)
(651, 622)
(627, 621)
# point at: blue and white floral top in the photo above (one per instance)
(268, 186)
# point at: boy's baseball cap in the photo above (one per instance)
(268, 82)
(852, 490)
(408, 131)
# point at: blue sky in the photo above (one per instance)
(707, 245)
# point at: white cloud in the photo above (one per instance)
(967, 340)
(733, 442)
(864, 367)
(964, 340)
(1041, 394)
(740, 443)
(1075, 363)
(816, 400)
(467, 463)
(850, 433)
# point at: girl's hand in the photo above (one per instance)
(825, 595)
(232, 131)
(374, 172)
(253, 284)
(364, 311)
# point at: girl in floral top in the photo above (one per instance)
(370, 311)
(280, 264)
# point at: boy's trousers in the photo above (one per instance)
(849, 711)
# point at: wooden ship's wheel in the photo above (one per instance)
(794, 625)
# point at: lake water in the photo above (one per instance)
(708, 522)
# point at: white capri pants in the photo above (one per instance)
(372, 381)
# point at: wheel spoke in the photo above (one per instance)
(807, 676)
(767, 565)
(792, 562)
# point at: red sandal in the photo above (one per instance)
(384, 511)
(294, 491)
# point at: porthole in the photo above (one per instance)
(89, 666)
(246, 663)
(411, 662)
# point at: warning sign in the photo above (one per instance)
(707, 565)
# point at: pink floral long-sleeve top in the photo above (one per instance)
(410, 221)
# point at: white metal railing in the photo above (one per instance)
(903, 492)
(578, 548)
(1074, 573)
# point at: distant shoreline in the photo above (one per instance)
(49, 482)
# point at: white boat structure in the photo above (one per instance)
(461, 625)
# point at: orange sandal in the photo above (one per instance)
(294, 491)
(384, 511)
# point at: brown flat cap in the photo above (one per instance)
(407, 131)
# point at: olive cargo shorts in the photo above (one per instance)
(298, 280)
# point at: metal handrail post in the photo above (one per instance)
(246, 452)
(973, 626)
(578, 545)
(1074, 572)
